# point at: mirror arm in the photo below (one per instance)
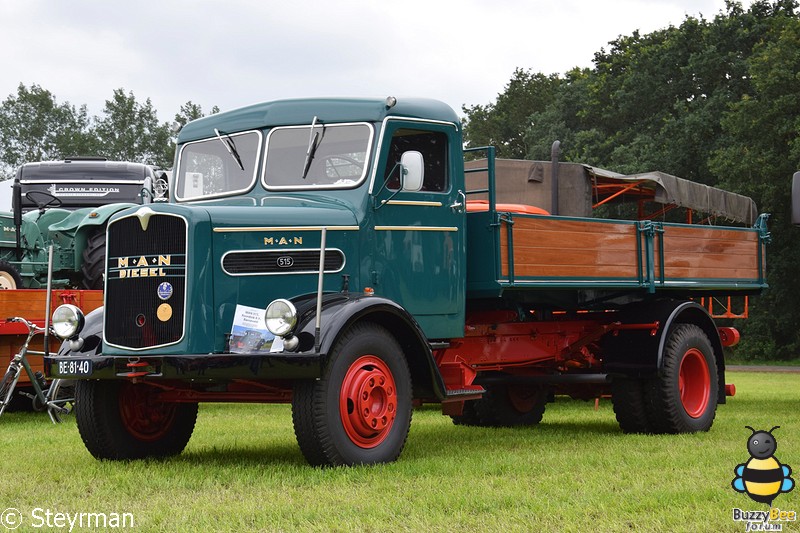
(377, 205)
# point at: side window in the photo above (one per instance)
(433, 147)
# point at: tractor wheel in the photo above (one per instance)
(359, 412)
(121, 420)
(9, 276)
(511, 405)
(627, 397)
(682, 398)
(94, 261)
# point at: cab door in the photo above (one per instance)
(419, 224)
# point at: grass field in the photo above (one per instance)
(242, 471)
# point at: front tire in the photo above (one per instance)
(121, 420)
(359, 412)
(682, 398)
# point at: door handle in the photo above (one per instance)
(458, 205)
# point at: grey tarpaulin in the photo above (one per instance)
(528, 182)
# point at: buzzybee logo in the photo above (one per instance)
(762, 477)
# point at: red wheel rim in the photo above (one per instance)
(694, 383)
(523, 399)
(368, 401)
(144, 418)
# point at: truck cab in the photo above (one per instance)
(251, 195)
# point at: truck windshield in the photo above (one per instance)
(318, 156)
(208, 168)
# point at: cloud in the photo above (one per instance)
(238, 52)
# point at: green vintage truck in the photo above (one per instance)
(337, 254)
(66, 204)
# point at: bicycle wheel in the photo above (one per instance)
(60, 399)
(7, 386)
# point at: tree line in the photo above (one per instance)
(715, 101)
(34, 126)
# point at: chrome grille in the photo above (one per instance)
(145, 281)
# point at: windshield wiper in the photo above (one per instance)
(312, 148)
(230, 147)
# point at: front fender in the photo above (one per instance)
(340, 312)
(89, 216)
(92, 335)
(82, 223)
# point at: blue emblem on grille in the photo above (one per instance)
(165, 290)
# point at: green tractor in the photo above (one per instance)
(67, 204)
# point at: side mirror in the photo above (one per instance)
(796, 199)
(412, 170)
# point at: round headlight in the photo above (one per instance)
(281, 317)
(67, 321)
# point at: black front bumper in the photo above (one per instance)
(195, 367)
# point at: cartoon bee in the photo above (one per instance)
(762, 477)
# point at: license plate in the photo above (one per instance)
(75, 367)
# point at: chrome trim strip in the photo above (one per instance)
(98, 181)
(284, 228)
(412, 202)
(282, 251)
(416, 228)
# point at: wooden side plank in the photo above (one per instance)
(571, 249)
(546, 247)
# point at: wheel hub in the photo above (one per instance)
(694, 383)
(145, 419)
(368, 401)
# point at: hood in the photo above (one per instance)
(284, 211)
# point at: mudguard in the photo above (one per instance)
(340, 311)
(81, 223)
(640, 352)
(92, 336)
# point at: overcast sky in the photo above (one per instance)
(232, 53)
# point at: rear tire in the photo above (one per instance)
(94, 261)
(627, 397)
(682, 398)
(511, 405)
(121, 420)
(468, 416)
(10, 278)
(359, 411)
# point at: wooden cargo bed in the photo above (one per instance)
(539, 251)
